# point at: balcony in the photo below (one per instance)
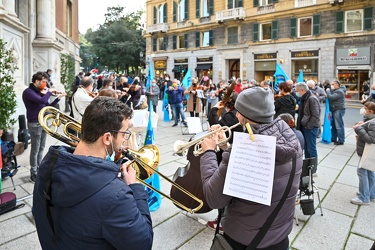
(206, 19)
(159, 27)
(304, 3)
(236, 13)
(266, 9)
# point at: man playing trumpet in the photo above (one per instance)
(92, 203)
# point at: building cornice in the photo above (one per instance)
(47, 43)
(13, 22)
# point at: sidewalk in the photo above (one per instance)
(343, 225)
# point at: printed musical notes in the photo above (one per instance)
(251, 168)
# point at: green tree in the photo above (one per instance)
(67, 73)
(8, 101)
(119, 40)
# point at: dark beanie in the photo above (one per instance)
(256, 104)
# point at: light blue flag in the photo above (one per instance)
(300, 76)
(187, 82)
(166, 106)
(150, 75)
(154, 199)
(280, 76)
(327, 133)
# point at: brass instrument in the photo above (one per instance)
(181, 147)
(145, 160)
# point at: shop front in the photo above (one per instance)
(204, 67)
(160, 66)
(264, 66)
(353, 68)
(180, 68)
(308, 62)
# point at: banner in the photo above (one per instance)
(187, 82)
(327, 133)
(300, 76)
(280, 76)
(150, 76)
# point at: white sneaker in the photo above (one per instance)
(358, 201)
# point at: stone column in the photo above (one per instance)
(9, 6)
(45, 23)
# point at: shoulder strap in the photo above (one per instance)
(47, 190)
(262, 232)
(76, 106)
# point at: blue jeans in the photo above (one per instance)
(178, 109)
(337, 123)
(366, 184)
(310, 136)
(38, 142)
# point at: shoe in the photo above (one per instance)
(185, 124)
(315, 175)
(174, 125)
(372, 200)
(338, 143)
(213, 224)
(358, 201)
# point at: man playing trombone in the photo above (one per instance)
(82, 199)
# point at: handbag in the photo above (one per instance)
(220, 243)
(368, 157)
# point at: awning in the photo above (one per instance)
(203, 67)
(176, 69)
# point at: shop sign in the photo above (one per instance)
(204, 59)
(309, 53)
(184, 60)
(265, 56)
(160, 64)
(265, 65)
(353, 56)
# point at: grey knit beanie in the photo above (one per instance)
(256, 104)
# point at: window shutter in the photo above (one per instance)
(165, 43)
(274, 30)
(211, 37)
(197, 8)
(230, 4)
(256, 3)
(197, 39)
(155, 15)
(293, 27)
(339, 25)
(240, 3)
(211, 7)
(186, 40)
(367, 18)
(174, 40)
(256, 32)
(275, 1)
(174, 11)
(165, 9)
(186, 9)
(316, 25)
(154, 43)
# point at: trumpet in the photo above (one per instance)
(181, 147)
(145, 160)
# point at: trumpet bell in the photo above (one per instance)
(179, 149)
(146, 160)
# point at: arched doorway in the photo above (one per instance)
(234, 68)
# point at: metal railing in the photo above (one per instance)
(236, 13)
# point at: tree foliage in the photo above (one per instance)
(67, 73)
(118, 42)
(8, 101)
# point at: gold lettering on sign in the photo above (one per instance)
(264, 56)
(160, 64)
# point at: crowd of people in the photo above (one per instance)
(91, 215)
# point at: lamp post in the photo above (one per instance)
(140, 61)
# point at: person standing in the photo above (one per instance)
(308, 121)
(336, 96)
(36, 97)
(243, 219)
(285, 102)
(366, 134)
(82, 97)
(49, 79)
(194, 104)
(175, 97)
(152, 94)
(93, 202)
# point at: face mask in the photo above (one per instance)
(362, 111)
(298, 94)
(50, 75)
(112, 156)
(42, 86)
(110, 87)
(167, 79)
(332, 87)
(372, 91)
(153, 84)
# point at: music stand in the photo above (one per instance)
(194, 126)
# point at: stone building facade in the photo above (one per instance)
(38, 32)
(326, 39)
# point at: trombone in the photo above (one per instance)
(145, 160)
(181, 147)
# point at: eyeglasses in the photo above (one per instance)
(126, 134)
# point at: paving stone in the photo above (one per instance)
(356, 242)
(28, 241)
(346, 149)
(349, 176)
(328, 232)
(364, 224)
(354, 160)
(201, 241)
(335, 161)
(338, 199)
(14, 228)
(167, 209)
(326, 177)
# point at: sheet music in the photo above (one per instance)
(251, 168)
(200, 93)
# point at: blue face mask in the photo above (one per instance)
(372, 93)
(298, 94)
(112, 156)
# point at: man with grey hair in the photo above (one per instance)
(82, 97)
(308, 121)
(316, 90)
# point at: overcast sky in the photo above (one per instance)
(91, 12)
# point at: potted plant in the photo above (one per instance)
(8, 101)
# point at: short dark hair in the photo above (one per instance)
(103, 115)
(370, 105)
(285, 87)
(106, 82)
(288, 118)
(39, 76)
(86, 81)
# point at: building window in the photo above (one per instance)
(203, 39)
(233, 35)
(265, 31)
(181, 42)
(69, 17)
(353, 20)
(162, 43)
(161, 13)
(181, 10)
(304, 26)
(205, 8)
(234, 4)
(264, 2)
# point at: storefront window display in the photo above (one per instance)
(309, 68)
(353, 81)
